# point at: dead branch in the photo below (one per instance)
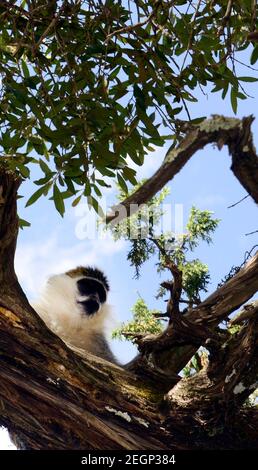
(234, 133)
(214, 395)
(249, 311)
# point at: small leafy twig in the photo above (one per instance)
(175, 288)
(235, 269)
(226, 17)
(132, 27)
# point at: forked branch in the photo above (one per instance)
(173, 348)
(235, 133)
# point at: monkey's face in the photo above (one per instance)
(74, 306)
(92, 287)
(92, 295)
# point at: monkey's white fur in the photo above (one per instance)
(59, 309)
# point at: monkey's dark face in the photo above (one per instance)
(92, 295)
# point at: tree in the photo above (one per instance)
(87, 85)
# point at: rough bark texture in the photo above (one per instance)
(234, 133)
(171, 350)
(52, 399)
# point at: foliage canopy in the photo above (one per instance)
(87, 86)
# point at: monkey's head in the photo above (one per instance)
(74, 306)
(92, 287)
(76, 297)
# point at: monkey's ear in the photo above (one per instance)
(90, 272)
(99, 275)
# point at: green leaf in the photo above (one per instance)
(21, 95)
(103, 183)
(37, 111)
(35, 196)
(150, 129)
(248, 79)
(94, 203)
(106, 172)
(73, 172)
(44, 180)
(129, 174)
(58, 200)
(44, 167)
(25, 69)
(140, 97)
(233, 99)
(254, 56)
(122, 183)
(97, 190)
(31, 82)
(76, 201)
(225, 90)
(24, 170)
(23, 223)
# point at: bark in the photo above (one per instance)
(173, 348)
(53, 399)
(234, 133)
(8, 224)
(213, 396)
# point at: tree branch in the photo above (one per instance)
(214, 395)
(248, 312)
(175, 288)
(132, 27)
(234, 133)
(9, 184)
(198, 324)
(238, 377)
(226, 17)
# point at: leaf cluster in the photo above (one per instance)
(144, 321)
(169, 248)
(88, 86)
(140, 230)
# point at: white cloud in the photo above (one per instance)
(35, 261)
(152, 162)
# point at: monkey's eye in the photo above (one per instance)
(91, 286)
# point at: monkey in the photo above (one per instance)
(74, 306)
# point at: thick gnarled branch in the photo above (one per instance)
(234, 133)
(9, 184)
(213, 397)
(176, 345)
(238, 377)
